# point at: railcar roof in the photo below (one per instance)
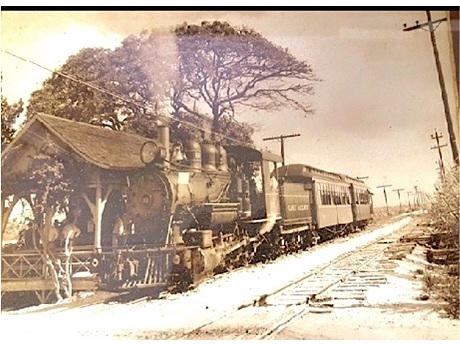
(99, 146)
(251, 154)
(303, 170)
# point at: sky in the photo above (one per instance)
(376, 106)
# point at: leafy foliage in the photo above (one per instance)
(75, 99)
(445, 208)
(51, 186)
(445, 217)
(194, 72)
(10, 114)
(228, 68)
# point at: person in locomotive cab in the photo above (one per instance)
(257, 178)
(273, 181)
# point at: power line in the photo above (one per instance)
(416, 196)
(78, 80)
(282, 137)
(385, 194)
(436, 137)
(399, 197)
(408, 200)
(127, 100)
(445, 101)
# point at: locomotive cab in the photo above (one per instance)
(254, 183)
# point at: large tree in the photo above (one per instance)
(10, 114)
(198, 73)
(110, 88)
(102, 87)
(228, 68)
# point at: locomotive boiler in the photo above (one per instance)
(210, 204)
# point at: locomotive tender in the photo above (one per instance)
(221, 207)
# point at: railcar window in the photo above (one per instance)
(321, 193)
(323, 189)
(337, 199)
(326, 192)
(362, 198)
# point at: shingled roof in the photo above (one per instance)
(99, 146)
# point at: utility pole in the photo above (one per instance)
(439, 170)
(399, 197)
(416, 200)
(385, 194)
(408, 199)
(282, 137)
(438, 146)
(450, 126)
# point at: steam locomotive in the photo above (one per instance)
(196, 209)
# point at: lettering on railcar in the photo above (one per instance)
(292, 208)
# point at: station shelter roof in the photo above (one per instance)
(102, 147)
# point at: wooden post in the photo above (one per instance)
(97, 208)
(98, 213)
(6, 211)
(282, 137)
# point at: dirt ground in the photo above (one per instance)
(394, 310)
(398, 310)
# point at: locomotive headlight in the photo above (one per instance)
(149, 151)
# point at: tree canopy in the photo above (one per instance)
(10, 114)
(197, 72)
(228, 68)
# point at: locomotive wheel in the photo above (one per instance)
(313, 240)
(267, 251)
(181, 282)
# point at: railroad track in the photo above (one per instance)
(345, 279)
(342, 282)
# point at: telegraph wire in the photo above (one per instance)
(127, 100)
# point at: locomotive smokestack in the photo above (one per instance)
(163, 138)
